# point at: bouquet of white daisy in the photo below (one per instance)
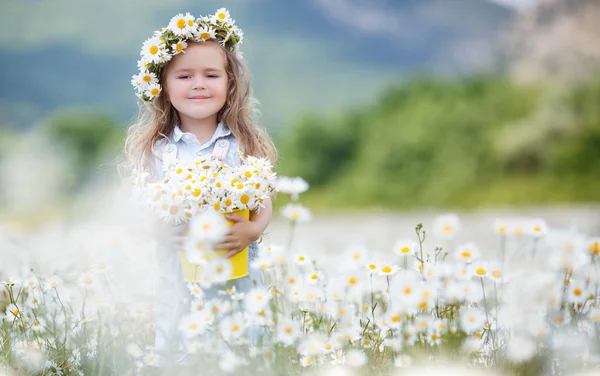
(188, 190)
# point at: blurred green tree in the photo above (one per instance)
(93, 138)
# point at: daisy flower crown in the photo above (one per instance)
(173, 39)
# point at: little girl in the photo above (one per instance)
(197, 97)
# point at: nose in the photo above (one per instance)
(199, 83)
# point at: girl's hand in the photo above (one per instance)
(242, 233)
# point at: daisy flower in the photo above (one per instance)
(152, 51)
(306, 361)
(53, 282)
(13, 312)
(291, 186)
(446, 226)
(209, 226)
(312, 345)
(296, 212)
(472, 320)
(182, 26)
(193, 325)
(501, 226)
(386, 269)
(405, 247)
(222, 16)
(301, 259)
(152, 91)
(232, 327)
(594, 246)
(467, 252)
(30, 283)
(262, 262)
(87, 280)
(537, 227)
(314, 277)
(287, 332)
(195, 290)
(403, 361)
(354, 258)
(218, 270)
(257, 299)
(479, 269)
(577, 293)
(206, 32)
(11, 282)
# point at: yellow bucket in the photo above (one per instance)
(239, 261)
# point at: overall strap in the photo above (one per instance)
(220, 150)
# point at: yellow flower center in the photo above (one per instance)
(245, 199)
(193, 325)
(405, 250)
(481, 271)
(154, 91)
(147, 78)
(356, 256)
(466, 254)
(217, 206)
(228, 202)
(372, 266)
(352, 280)
(153, 50)
(386, 269)
(396, 319)
(407, 290)
(301, 258)
(205, 35)
(595, 248)
(88, 280)
(221, 16)
(190, 23)
(174, 210)
(235, 328)
(314, 276)
(497, 273)
(447, 228)
(179, 47)
(196, 192)
(577, 291)
(181, 23)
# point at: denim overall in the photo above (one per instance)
(173, 297)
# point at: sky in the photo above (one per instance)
(517, 4)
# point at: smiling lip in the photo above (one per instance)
(199, 97)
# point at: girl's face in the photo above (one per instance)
(196, 82)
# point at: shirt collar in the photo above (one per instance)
(221, 131)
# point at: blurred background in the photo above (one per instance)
(380, 105)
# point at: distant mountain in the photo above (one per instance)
(312, 55)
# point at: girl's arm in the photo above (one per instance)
(243, 232)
